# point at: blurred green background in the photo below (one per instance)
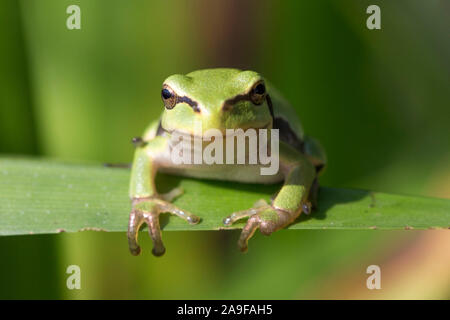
(378, 100)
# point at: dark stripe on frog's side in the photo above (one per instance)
(287, 135)
(320, 167)
(228, 104)
(193, 104)
(269, 103)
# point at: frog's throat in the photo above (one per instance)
(223, 131)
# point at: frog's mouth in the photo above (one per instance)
(224, 133)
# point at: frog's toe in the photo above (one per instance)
(235, 216)
(165, 206)
(154, 231)
(247, 232)
(149, 215)
(266, 218)
(148, 210)
(307, 207)
(134, 223)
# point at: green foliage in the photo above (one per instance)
(38, 196)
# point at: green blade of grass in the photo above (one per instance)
(42, 196)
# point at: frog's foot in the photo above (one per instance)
(147, 210)
(265, 217)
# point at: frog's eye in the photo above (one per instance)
(169, 97)
(258, 92)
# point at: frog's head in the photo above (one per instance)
(215, 98)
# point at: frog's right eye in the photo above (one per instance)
(258, 93)
(169, 97)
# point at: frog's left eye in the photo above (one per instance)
(258, 92)
(169, 97)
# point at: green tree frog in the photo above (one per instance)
(223, 99)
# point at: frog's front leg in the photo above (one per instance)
(147, 204)
(290, 201)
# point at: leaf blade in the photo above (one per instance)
(41, 196)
